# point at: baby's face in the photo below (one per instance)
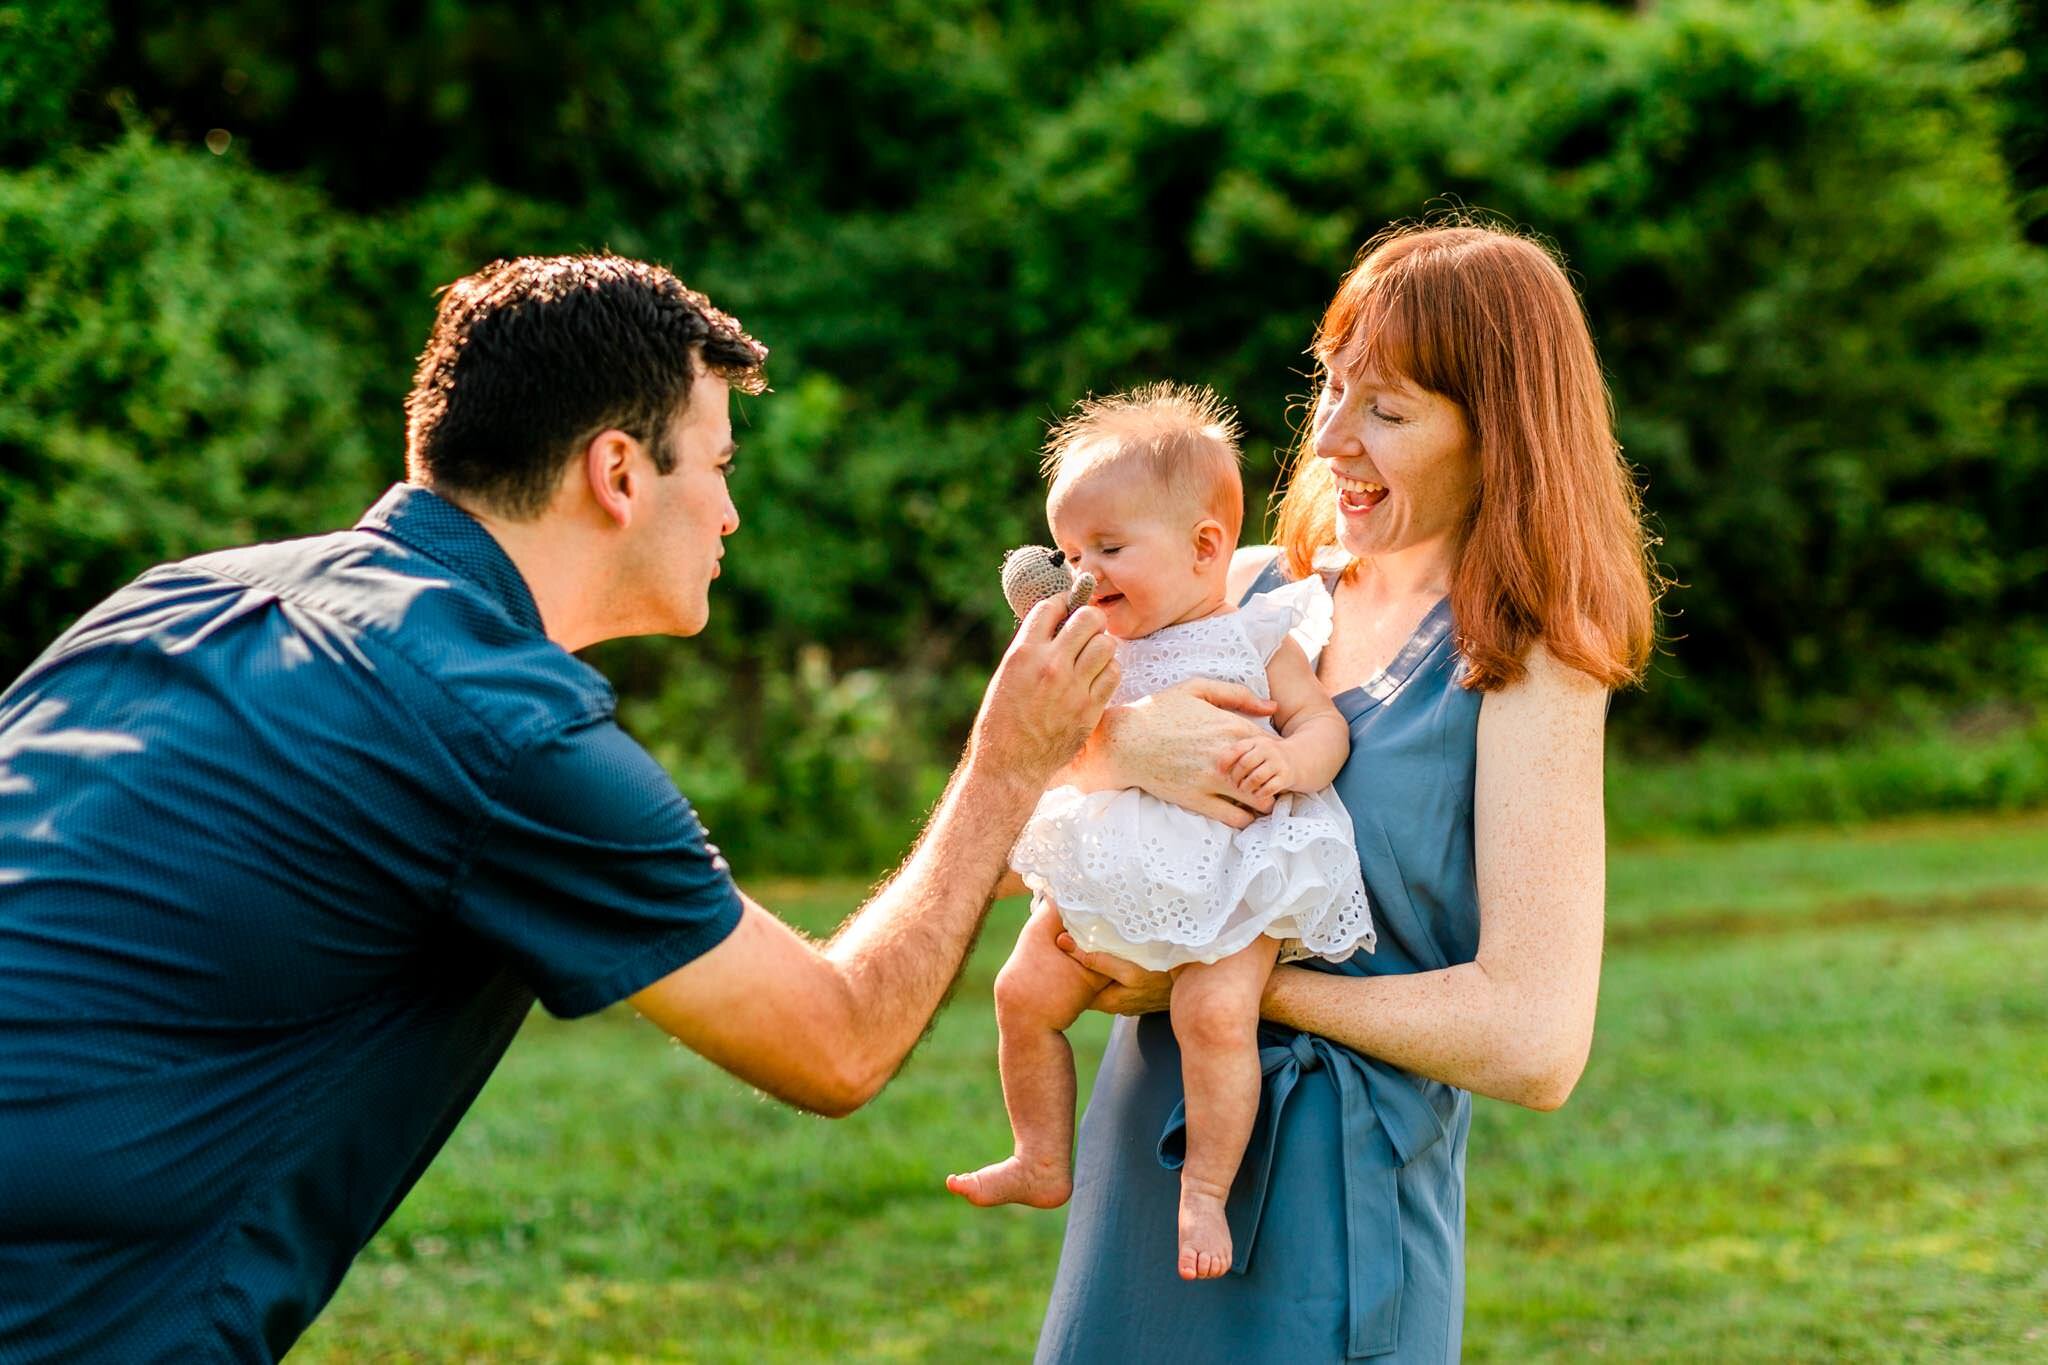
(1141, 548)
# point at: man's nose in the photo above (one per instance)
(731, 522)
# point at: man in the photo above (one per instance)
(292, 836)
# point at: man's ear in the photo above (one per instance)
(1210, 542)
(608, 470)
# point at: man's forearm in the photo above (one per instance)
(901, 954)
(827, 1028)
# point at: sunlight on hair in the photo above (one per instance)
(1183, 438)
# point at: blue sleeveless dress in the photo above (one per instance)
(1348, 1215)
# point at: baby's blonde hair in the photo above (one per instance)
(1181, 437)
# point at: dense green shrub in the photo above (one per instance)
(1795, 236)
(1794, 224)
(1922, 770)
(50, 51)
(194, 355)
(804, 770)
(173, 375)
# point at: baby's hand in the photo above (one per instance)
(1260, 768)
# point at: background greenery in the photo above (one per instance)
(1810, 236)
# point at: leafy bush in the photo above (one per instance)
(173, 375)
(799, 769)
(49, 51)
(194, 355)
(1797, 238)
(1908, 773)
(1794, 233)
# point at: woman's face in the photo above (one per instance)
(1404, 464)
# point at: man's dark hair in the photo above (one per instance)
(530, 358)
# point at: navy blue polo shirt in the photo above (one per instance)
(291, 838)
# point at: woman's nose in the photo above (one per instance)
(732, 517)
(1336, 435)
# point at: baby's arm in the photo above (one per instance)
(1313, 741)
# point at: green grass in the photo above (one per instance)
(1815, 1127)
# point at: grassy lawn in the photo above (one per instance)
(1815, 1127)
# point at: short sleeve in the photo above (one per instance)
(1301, 609)
(592, 874)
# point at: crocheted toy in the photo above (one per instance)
(1032, 573)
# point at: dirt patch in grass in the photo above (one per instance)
(1856, 912)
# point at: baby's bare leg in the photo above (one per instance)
(1039, 992)
(1216, 1019)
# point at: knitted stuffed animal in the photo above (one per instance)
(1032, 573)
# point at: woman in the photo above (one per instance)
(1462, 498)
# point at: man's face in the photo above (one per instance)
(691, 511)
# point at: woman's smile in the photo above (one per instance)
(1356, 497)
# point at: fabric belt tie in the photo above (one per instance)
(1384, 1123)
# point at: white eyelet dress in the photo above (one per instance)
(1161, 886)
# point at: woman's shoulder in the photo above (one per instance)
(1246, 566)
(1549, 692)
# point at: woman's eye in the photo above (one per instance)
(1383, 414)
(1109, 549)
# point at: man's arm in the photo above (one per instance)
(825, 1027)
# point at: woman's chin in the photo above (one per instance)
(1358, 540)
(1362, 535)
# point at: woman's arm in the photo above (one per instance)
(1515, 1024)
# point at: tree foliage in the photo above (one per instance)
(1802, 231)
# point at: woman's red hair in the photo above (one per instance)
(1554, 547)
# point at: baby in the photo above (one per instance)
(1146, 497)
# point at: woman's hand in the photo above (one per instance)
(1179, 745)
(1132, 989)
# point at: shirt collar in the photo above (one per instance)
(437, 528)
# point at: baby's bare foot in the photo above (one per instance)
(1041, 1184)
(1204, 1235)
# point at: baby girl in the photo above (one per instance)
(1146, 497)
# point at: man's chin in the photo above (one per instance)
(691, 622)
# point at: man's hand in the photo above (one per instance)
(1180, 745)
(825, 1026)
(1046, 695)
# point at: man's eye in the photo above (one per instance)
(727, 468)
